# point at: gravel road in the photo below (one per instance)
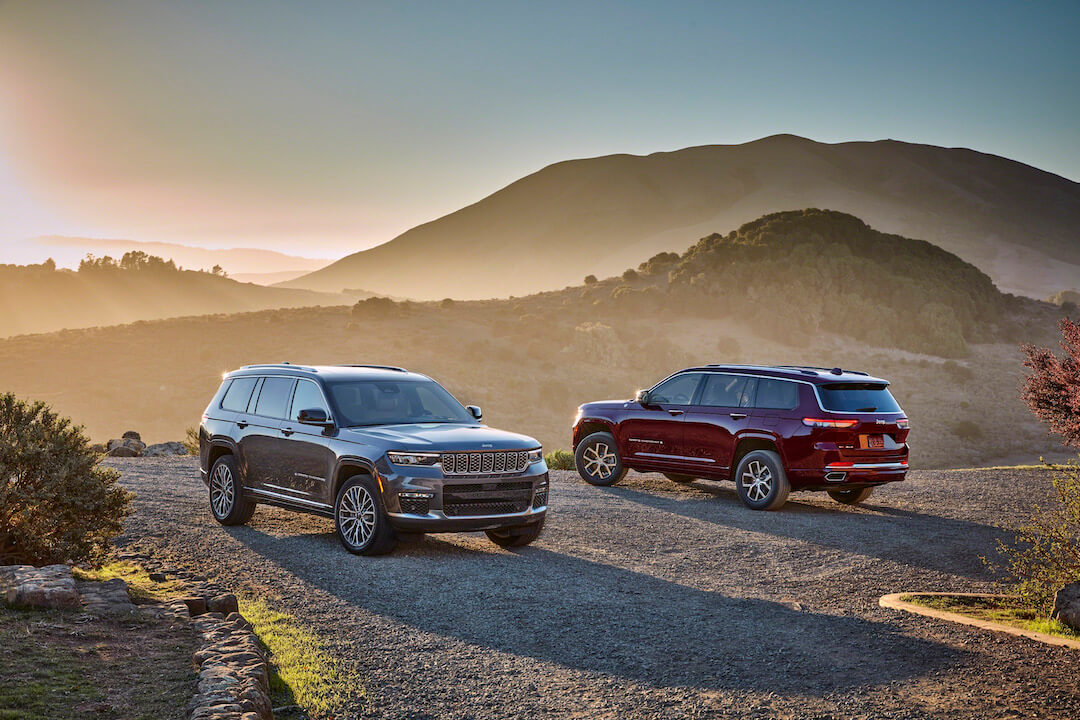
(647, 600)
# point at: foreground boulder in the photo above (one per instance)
(125, 446)
(51, 586)
(1067, 605)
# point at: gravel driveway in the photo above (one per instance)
(647, 600)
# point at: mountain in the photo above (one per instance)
(246, 264)
(41, 298)
(810, 287)
(598, 216)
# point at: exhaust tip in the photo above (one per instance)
(835, 476)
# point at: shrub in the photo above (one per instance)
(1052, 391)
(629, 275)
(447, 302)
(57, 504)
(560, 460)
(191, 441)
(590, 279)
(1045, 552)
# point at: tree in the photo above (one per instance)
(590, 279)
(219, 271)
(57, 504)
(1052, 390)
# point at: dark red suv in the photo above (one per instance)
(772, 429)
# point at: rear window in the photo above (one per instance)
(237, 396)
(857, 397)
(274, 397)
(776, 395)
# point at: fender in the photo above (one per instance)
(594, 419)
(352, 461)
(761, 435)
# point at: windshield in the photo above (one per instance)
(396, 402)
(857, 397)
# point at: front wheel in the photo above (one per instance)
(761, 481)
(361, 525)
(851, 497)
(227, 501)
(597, 460)
(515, 536)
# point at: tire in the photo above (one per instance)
(761, 481)
(227, 502)
(851, 497)
(597, 460)
(359, 520)
(682, 479)
(515, 536)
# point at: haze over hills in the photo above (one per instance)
(765, 293)
(41, 298)
(256, 265)
(1018, 224)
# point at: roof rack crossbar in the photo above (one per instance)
(288, 365)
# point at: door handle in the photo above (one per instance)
(737, 416)
(241, 424)
(675, 412)
(287, 432)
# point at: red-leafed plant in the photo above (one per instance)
(1052, 390)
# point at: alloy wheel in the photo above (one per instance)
(356, 516)
(757, 480)
(600, 460)
(222, 490)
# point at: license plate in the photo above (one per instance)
(874, 442)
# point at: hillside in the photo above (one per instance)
(41, 298)
(529, 362)
(600, 215)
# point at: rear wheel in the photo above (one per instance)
(597, 460)
(227, 501)
(361, 525)
(515, 536)
(674, 477)
(851, 497)
(761, 481)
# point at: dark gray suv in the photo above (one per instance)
(389, 454)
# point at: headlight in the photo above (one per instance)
(405, 458)
(536, 455)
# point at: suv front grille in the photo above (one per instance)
(494, 498)
(499, 462)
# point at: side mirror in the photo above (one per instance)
(313, 416)
(475, 411)
(642, 397)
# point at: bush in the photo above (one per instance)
(630, 275)
(590, 279)
(1045, 553)
(57, 504)
(560, 460)
(191, 441)
(1052, 391)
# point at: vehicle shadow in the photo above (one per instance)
(595, 617)
(930, 542)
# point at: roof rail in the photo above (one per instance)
(285, 364)
(834, 370)
(394, 368)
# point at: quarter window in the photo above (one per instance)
(274, 397)
(776, 395)
(678, 390)
(307, 397)
(237, 396)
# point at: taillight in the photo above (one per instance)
(902, 423)
(828, 423)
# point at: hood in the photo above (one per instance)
(440, 437)
(602, 405)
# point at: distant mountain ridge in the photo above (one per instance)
(1018, 224)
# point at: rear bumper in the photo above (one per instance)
(848, 475)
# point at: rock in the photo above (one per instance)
(132, 435)
(125, 447)
(195, 605)
(1067, 605)
(122, 451)
(157, 577)
(165, 449)
(105, 598)
(223, 604)
(50, 586)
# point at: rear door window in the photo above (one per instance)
(726, 391)
(776, 395)
(239, 393)
(274, 397)
(857, 397)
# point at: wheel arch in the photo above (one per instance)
(589, 425)
(346, 468)
(750, 442)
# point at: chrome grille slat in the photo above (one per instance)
(496, 462)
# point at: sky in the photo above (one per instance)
(320, 129)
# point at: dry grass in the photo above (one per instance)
(1004, 610)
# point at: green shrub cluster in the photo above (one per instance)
(57, 504)
(559, 460)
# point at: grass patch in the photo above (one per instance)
(560, 460)
(57, 666)
(302, 672)
(1004, 610)
(140, 586)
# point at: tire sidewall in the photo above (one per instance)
(381, 522)
(229, 462)
(779, 490)
(616, 474)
